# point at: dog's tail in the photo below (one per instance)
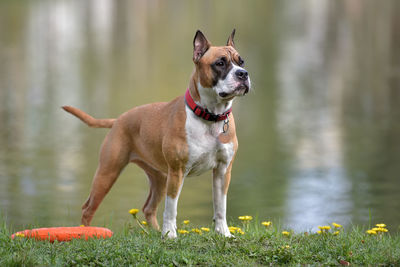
(89, 120)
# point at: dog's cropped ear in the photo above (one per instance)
(230, 41)
(200, 46)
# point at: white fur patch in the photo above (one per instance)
(205, 150)
(219, 200)
(211, 101)
(170, 212)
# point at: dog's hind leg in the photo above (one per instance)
(114, 156)
(158, 186)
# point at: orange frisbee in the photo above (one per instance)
(65, 233)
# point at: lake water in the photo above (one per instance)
(319, 137)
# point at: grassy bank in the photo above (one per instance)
(255, 244)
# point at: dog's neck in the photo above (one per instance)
(207, 98)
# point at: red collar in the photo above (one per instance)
(204, 113)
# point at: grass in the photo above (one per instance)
(258, 245)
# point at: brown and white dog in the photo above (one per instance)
(170, 141)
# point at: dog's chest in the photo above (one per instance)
(205, 150)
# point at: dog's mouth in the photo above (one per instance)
(243, 88)
(240, 90)
(223, 94)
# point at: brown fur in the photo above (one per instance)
(142, 135)
(89, 120)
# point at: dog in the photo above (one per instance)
(173, 140)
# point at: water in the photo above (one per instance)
(318, 138)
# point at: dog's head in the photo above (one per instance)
(220, 68)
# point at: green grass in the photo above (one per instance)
(257, 246)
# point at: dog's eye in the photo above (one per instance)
(220, 63)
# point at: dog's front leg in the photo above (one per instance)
(174, 187)
(221, 180)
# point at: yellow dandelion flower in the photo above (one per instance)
(286, 247)
(326, 227)
(380, 225)
(196, 230)
(205, 229)
(245, 218)
(336, 233)
(19, 235)
(143, 222)
(266, 224)
(183, 232)
(286, 233)
(234, 230)
(319, 232)
(186, 222)
(371, 232)
(82, 225)
(336, 225)
(133, 211)
(380, 229)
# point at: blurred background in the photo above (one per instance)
(319, 137)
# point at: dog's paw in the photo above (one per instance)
(169, 231)
(221, 227)
(169, 235)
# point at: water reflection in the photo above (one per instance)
(318, 137)
(318, 189)
(312, 114)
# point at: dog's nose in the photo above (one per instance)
(242, 74)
